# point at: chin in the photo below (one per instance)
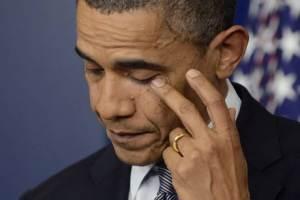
(140, 157)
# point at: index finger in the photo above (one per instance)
(184, 108)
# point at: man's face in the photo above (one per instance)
(123, 53)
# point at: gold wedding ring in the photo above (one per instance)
(175, 145)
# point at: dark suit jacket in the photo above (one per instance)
(270, 143)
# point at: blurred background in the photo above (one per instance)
(45, 121)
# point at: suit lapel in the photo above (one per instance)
(111, 177)
(260, 142)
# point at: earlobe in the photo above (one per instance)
(231, 44)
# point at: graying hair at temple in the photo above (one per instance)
(198, 21)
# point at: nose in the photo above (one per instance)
(114, 101)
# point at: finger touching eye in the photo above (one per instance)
(143, 76)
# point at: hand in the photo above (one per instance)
(211, 164)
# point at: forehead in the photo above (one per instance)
(142, 27)
(137, 35)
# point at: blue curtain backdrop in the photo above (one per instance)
(45, 120)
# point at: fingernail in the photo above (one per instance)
(159, 82)
(192, 73)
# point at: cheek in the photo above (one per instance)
(156, 112)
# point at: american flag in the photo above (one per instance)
(271, 66)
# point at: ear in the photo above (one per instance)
(231, 45)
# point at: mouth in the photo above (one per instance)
(131, 140)
(124, 133)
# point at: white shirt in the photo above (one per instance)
(147, 189)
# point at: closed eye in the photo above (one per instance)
(144, 81)
(94, 71)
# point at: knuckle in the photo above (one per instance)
(186, 108)
(219, 100)
(218, 96)
(166, 91)
(186, 169)
(228, 128)
(195, 155)
(182, 170)
(209, 149)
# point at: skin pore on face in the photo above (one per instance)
(122, 53)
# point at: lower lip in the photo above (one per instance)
(132, 141)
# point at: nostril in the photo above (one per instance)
(114, 108)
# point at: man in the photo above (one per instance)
(157, 72)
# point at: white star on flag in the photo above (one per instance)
(266, 40)
(251, 81)
(294, 6)
(254, 8)
(270, 6)
(290, 44)
(282, 87)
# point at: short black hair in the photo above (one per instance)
(198, 21)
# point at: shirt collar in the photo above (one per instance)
(138, 173)
(232, 99)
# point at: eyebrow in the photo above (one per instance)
(126, 63)
(138, 64)
(84, 56)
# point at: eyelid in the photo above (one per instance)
(142, 75)
(88, 63)
(146, 80)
